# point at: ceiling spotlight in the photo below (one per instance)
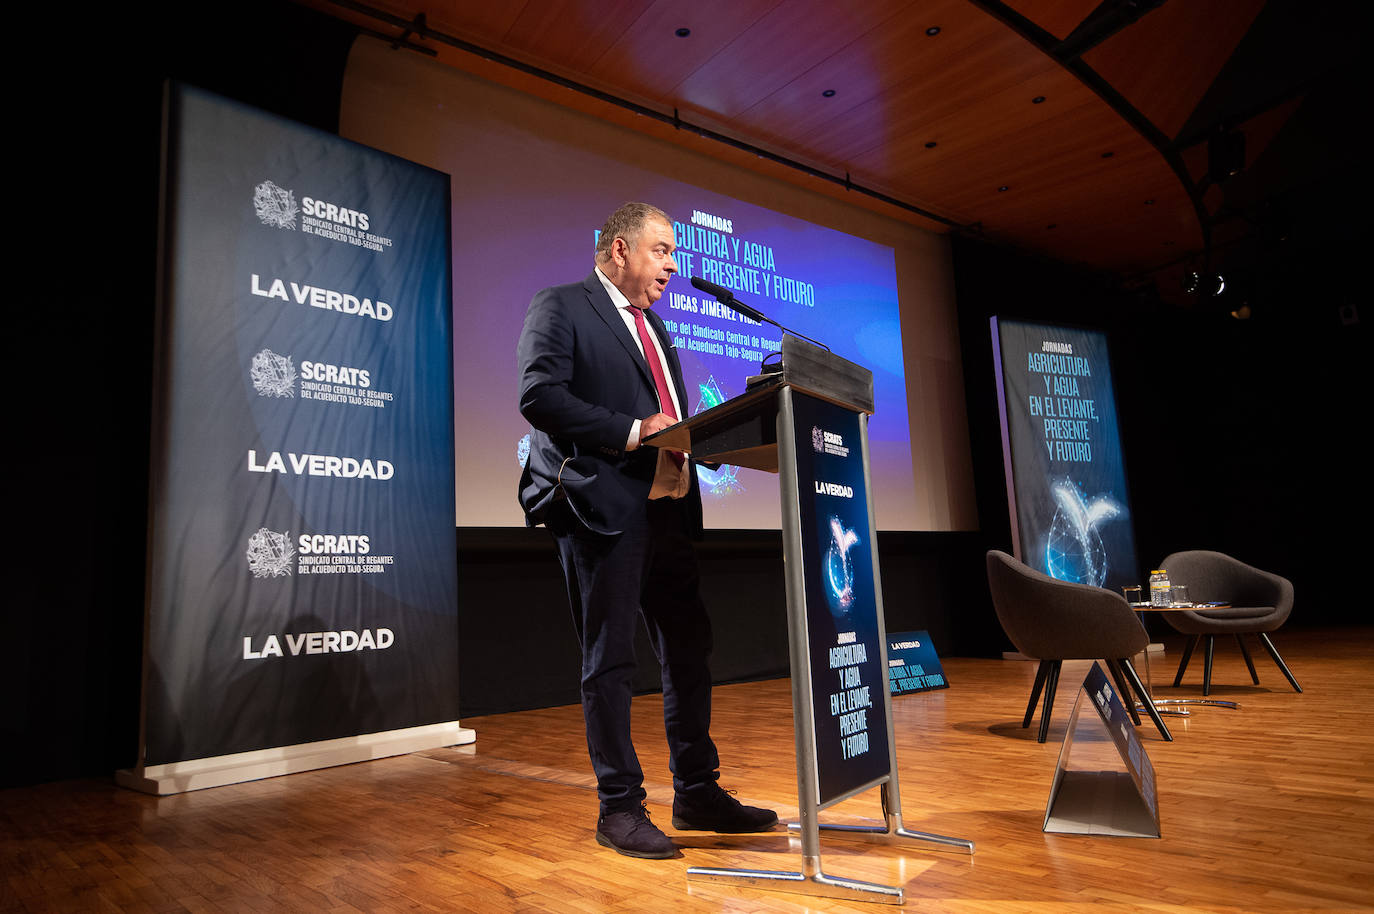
(1037, 100)
(829, 93)
(683, 32)
(1108, 155)
(1003, 188)
(1242, 313)
(933, 31)
(931, 144)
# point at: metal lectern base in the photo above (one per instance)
(885, 834)
(811, 882)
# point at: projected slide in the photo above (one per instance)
(531, 222)
(750, 253)
(1066, 479)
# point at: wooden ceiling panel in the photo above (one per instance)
(650, 58)
(756, 70)
(1140, 190)
(786, 42)
(986, 145)
(895, 64)
(478, 22)
(1117, 232)
(1047, 194)
(1164, 63)
(571, 33)
(1058, 17)
(945, 105)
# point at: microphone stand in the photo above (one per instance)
(727, 298)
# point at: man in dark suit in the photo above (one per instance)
(598, 374)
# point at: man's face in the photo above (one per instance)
(643, 272)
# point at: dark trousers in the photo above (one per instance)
(649, 570)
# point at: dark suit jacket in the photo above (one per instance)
(583, 383)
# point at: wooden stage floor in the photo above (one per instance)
(1266, 809)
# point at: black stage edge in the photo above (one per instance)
(518, 650)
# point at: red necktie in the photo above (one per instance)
(665, 399)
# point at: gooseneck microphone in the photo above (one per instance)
(727, 298)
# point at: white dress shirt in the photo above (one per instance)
(669, 478)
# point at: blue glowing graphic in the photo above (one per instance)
(723, 480)
(1074, 550)
(839, 568)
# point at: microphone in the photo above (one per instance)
(727, 298)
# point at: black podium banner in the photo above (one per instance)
(846, 649)
(302, 582)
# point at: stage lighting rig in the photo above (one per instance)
(1202, 283)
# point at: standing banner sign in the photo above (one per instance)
(1104, 782)
(302, 589)
(912, 664)
(1061, 446)
(846, 643)
(819, 446)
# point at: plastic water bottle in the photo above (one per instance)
(1159, 588)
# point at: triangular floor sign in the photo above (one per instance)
(1104, 783)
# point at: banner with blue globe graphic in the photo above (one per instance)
(843, 630)
(1066, 479)
(302, 582)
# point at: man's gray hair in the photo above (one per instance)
(626, 222)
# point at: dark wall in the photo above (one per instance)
(88, 197)
(1244, 436)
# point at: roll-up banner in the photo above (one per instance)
(302, 580)
(1066, 478)
(842, 627)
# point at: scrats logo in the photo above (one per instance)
(824, 442)
(275, 206)
(273, 375)
(270, 553)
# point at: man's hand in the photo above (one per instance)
(655, 423)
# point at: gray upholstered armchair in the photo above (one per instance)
(1053, 621)
(1259, 603)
